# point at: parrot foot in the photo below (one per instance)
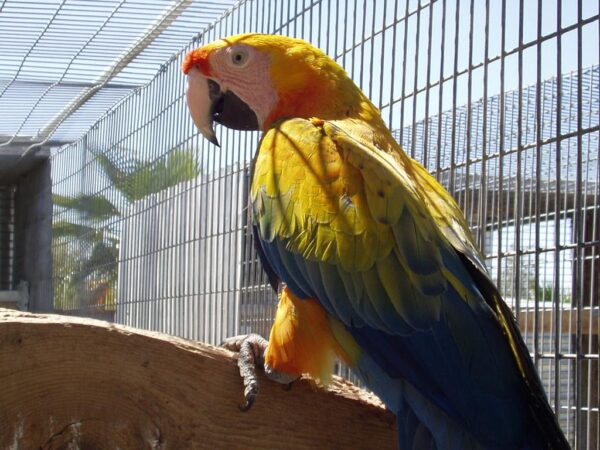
(252, 348)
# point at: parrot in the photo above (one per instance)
(372, 257)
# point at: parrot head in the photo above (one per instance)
(250, 81)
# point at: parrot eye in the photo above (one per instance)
(239, 57)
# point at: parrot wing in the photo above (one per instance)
(450, 221)
(345, 217)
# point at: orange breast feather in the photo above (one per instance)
(302, 339)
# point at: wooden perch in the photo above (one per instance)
(68, 382)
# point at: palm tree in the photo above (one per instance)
(86, 244)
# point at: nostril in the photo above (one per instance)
(197, 59)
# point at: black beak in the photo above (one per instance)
(231, 111)
(208, 103)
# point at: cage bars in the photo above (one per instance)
(517, 153)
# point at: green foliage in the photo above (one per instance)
(63, 229)
(85, 252)
(91, 207)
(102, 260)
(143, 179)
(546, 294)
(66, 262)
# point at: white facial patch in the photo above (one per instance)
(252, 84)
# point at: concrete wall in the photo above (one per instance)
(33, 235)
(7, 228)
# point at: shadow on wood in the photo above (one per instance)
(68, 382)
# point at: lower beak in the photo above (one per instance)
(201, 99)
(208, 103)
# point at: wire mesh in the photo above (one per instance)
(61, 57)
(498, 99)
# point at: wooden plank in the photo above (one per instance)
(589, 321)
(82, 383)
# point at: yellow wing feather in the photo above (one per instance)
(329, 204)
(335, 192)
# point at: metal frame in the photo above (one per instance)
(486, 94)
(89, 54)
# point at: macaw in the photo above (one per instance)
(372, 256)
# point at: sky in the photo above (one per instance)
(379, 65)
(391, 71)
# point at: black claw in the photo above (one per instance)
(246, 407)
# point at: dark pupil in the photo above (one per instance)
(238, 57)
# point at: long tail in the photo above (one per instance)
(412, 433)
(422, 425)
(547, 432)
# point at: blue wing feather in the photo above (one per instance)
(435, 340)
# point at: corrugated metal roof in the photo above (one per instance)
(64, 63)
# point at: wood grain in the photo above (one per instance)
(68, 382)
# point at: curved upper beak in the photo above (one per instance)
(201, 99)
(209, 103)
